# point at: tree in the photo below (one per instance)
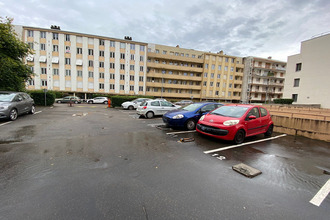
(13, 72)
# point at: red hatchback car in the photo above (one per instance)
(235, 122)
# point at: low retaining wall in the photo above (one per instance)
(311, 128)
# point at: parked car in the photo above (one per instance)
(134, 103)
(188, 116)
(184, 102)
(98, 100)
(235, 122)
(67, 99)
(13, 104)
(150, 108)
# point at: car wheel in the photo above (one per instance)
(269, 131)
(150, 115)
(191, 124)
(13, 114)
(105, 102)
(75, 102)
(90, 102)
(239, 137)
(58, 101)
(33, 110)
(130, 107)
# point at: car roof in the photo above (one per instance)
(10, 92)
(242, 105)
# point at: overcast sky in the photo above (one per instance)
(238, 27)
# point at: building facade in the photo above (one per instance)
(308, 73)
(263, 79)
(81, 63)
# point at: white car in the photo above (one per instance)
(98, 100)
(133, 104)
(155, 107)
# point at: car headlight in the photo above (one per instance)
(178, 116)
(231, 122)
(202, 118)
(4, 107)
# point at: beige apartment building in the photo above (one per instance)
(263, 79)
(81, 64)
(308, 73)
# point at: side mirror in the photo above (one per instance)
(20, 99)
(252, 117)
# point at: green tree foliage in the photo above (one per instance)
(13, 72)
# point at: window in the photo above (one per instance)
(263, 112)
(31, 82)
(101, 64)
(55, 72)
(101, 53)
(112, 86)
(122, 56)
(219, 76)
(218, 84)
(67, 49)
(204, 83)
(112, 44)
(226, 60)
(101, 42)
(141, 68)
(205, 74)
(254, 112)
(43, 70)
(211, 83)
(229, 94)
(67, 72)
(132, 46)
(216, 92)
(131, 78)
(79, 50)
(67, 61)
(212, 75)
(43, 82)
(141, 78)
(141, 88)
(131, 88)
(90, 63)
(233, 60)
(30, 33)
(67, 37)
(230, 85)
(231, 77)
(55, 36)
(122, 77)
(164, 51)
(296, 82)
(42, 46)
(122, 45)
(90, 74)
(122, 66)
(206, 66)
(79, 73)
(112, 76)
(231, 69)
(30, 45)
(142, 48)
(55, 48)
(298, 67)
(131, 67)
(112, 54)
(101, 75)
(90, 52)
(132, 56)
(141, 58)
(112, 65)
(226, 68)
(213, 66)
(42, 34)
(121, 87)
(101, 85)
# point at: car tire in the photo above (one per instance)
(13, 114)
(269, 131)
(105, 102)
(190, 125)
(33, 110)
(130, 107)
(90, 102)
(149, 115)
(59, 101)
(75, 102)
(239, 137)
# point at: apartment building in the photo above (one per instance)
(263, 79)
(81, 63)
(222, 77)
(174, 72)
(308, 73)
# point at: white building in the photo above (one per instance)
(308, 74)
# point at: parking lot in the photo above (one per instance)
(92, 162)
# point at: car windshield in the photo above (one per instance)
(6, 97)
(230, 111)
(192, 107)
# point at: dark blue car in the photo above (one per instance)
(188, 116)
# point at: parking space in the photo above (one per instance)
(91, 154)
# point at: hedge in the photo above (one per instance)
(116, 101)
(39, 97)
(283, 101)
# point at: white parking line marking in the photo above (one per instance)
(247, 143)
(38, 112)
(180, 132)
(321, 195)
(6, 123)
(155, 125)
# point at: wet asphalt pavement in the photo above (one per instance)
(90, 162)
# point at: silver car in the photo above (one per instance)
(130, 105)
(98, 100)
(13, 104)
(155, 107)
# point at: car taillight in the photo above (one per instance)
(144, 107)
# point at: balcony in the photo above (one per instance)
(175, 58)
(173, 76)
(172, 86)
(238, 74)
(173, 95)
(174, 67)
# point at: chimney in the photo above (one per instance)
(269, 57)
(177, 46)
(221, 52)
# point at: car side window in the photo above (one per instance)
(263, 112)
(207, 108)
(155, 103)
(254, 112)
(165, 103)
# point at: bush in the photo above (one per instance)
(283, 101)
(39, 97)
(117, 100)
